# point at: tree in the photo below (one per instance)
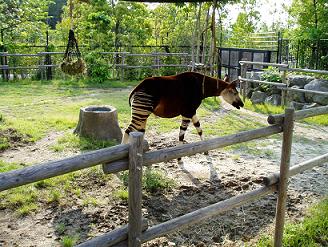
(244, 25)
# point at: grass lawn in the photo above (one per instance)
(34, 109)
(311, 232)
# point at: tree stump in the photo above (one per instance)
(99, 122)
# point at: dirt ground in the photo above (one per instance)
(201, 180)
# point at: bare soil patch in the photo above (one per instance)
(201, 180)
(10, 138)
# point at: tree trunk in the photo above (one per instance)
(99, 122)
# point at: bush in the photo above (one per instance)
(97, 67)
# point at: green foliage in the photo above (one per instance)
(152, 180)
(271, 74)
(156, 180)
(97, 67)
(265, 109)
(72, 141)
(69, 241)
(312, 231)
(122, 194)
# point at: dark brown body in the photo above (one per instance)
(171, 96)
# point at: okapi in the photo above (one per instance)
(171, 96)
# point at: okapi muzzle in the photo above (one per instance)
(238, 104)
(231, 95)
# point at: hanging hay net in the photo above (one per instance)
(73, 63)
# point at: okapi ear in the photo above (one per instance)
(226, 78)
(235, 82)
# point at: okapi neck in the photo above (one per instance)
(213, 87)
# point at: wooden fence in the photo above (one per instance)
(118, 61)
(132, 157)
(282, 86)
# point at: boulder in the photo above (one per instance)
(317, 85)
(296, 96)
(274, 99)
(296, 105)
(254, 75)
(258, 97)
(299, 80)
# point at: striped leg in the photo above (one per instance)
(183, 127)
(196, 123)
(142, 106)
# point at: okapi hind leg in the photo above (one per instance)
(142, 106)
(196, 123)
(183, 128)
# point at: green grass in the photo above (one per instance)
(58, 190)
(36, 108)
(318, 120)
(71, 141)
(69, 241)
(155, 180)
(152, 180)
(268, 109)
(121, 194)
(265, 109)
(312, 231)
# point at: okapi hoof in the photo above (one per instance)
(206, 153)
(179, 160)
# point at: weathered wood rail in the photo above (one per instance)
(118, 62)
(281, 86)
(132, 156)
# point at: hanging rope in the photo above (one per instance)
(73, 63)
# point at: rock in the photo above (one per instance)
(296, 105)
(274, 99)
(258, 97)
(299, 80)
(296, 96)
(254, 75)
(317, 85)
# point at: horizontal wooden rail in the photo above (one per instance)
(38, 172)
(305, 91)
(18, 55)
(294, 170)
(167, 154)
(309, 70)
(279, 65)
(113, 238)
(279, 118)
(205, 213)
(279, 85)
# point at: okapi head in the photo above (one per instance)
(230, 93)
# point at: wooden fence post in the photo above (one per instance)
(244, 85)
(284, 92)
(122, 66)
(135, 188)
(288, 126)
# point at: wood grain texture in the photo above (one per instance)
(279, 118)
(50, 169)
(135, 188)
(283, 179)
